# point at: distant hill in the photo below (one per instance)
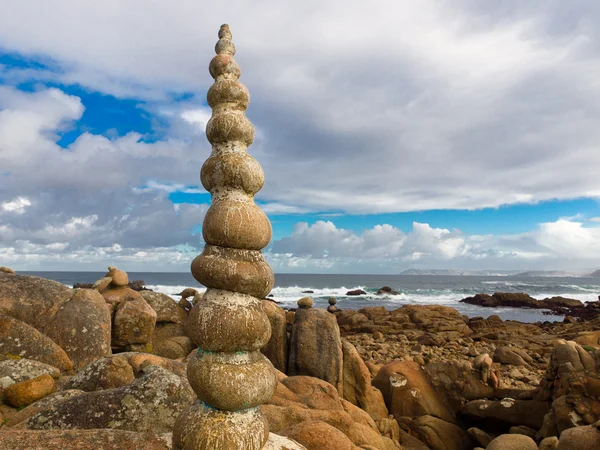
(546, 273)
(457, 272)
(595, 274)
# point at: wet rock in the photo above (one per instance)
(562, 301)
(356, 292)
(386, 290)
(151, 402)
(20, 339)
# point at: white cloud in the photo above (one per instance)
(562, 244)
(406, 107)
(460, 118)
(198, 117)
(17, 206)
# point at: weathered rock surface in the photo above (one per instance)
(46, 402)
(165, 307)
(277, 347)
(357, 387)
(120, 370)
(580, 438)
(133, 318)
(300, 398)
(80, 440)
(501, 414)
(505, 355)
(512, 442)
(408, 392)
(75, 319)
(438, 434)
(28, 391)
(150, 403)
(316, 347)
(14, 371)
(20, 339)
(316, 435)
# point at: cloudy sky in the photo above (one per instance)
(393, 134)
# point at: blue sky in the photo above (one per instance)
(474, 148)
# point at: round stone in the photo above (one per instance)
(226, 90)
(201, 427)
(228, 126)
(228, 321)
(225, 46)
(244, 271)
(236, 170)
(232, 381)
(332, 300)
(236, 224)
(305, 302)
(119, 277)
(224, 64)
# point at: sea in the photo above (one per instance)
(445, 290)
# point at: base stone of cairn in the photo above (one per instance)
(229, 374)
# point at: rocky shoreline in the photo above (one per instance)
(104, 366)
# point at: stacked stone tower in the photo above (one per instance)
(229, 374)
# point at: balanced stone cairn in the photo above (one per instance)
(332, 308)
(229, 374)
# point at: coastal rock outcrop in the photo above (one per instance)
(133, 320)
(316, 347)
(357, 387)
(74, 319)
(120, 370)
(277, 347)
(19, 339)
(300, 399)
(170, 337)
(408, 392)
(104, 439)
(150, 403)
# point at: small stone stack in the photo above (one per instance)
(229, 374)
